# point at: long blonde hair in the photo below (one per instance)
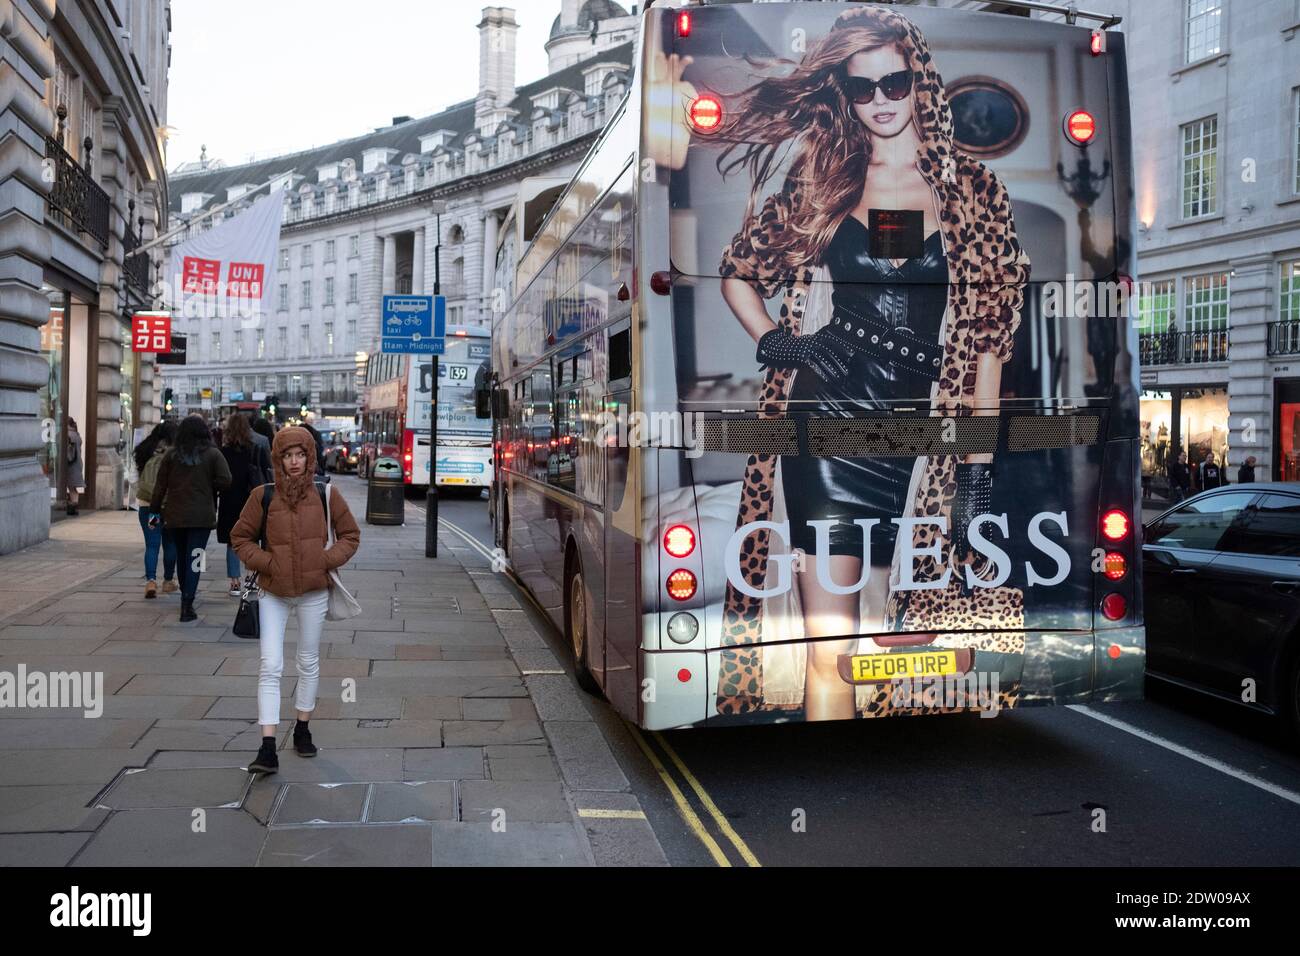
(805, 110)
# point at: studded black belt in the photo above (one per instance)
(896, 346)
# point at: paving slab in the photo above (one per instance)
(40, 849)
(313, 803)
(167, 838)
(412, 801)
(156, 789)
(443, 763)
(36, 767)
(361, 845)
(529, 801)
(519, 844)
(49, 807)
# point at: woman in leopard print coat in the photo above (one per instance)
(858, 146)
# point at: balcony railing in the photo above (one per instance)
(76, 201)
(1284, 338)
(1183, 348)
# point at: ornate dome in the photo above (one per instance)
(592, 11)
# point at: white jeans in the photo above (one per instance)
(273, 616)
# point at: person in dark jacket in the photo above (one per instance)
(1246, 473)
(262, 435)
(149, 455)
(1210, 474)
(186, 495)
(1180, 479)
(320, 452)
(245, 475)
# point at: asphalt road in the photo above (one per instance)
(1179, 780)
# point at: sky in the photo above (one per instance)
(277, 76)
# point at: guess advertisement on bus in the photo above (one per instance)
(906, 432)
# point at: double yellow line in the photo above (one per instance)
(684, 808)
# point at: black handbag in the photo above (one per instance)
(248, 620)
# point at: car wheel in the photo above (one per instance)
(578, 631)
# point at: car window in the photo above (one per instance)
(1272, 529)
(1199, 524)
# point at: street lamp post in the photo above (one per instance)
(437, 207)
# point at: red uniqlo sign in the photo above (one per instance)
(151, 332)
(200, 275)
(245, 280)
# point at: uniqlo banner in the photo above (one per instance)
(224, 270)
(151, 332)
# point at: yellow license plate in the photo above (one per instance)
(912, 664)
(455, 481)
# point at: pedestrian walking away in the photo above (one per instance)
(263, 432)
(241, 456)
(149, 455)
(1246, 473)
(185, 493)
(74, 481)
(293, 563)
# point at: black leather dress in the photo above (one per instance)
(891, 317)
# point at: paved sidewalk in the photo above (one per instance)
(449, 732)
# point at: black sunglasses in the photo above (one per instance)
(861, 89)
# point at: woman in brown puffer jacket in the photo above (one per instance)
(293, 572)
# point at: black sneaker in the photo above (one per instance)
(302, 744)
(187, 611)
(266, 761)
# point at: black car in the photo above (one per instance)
(1221, 575)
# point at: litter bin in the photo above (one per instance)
(386, 494)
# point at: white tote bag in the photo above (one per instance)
(342, 605)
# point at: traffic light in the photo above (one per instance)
(167, 399)
(268, 405)
(303, 402)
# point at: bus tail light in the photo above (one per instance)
(1114, 606)
(705, 113)
(1115, 525)
(1097, 44)
(681, 585)
(679, 540)
(1080, 127)
(684, 23)
(408, 453)
(1115, 565)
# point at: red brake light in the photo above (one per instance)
(684, 676)
(1080, 127)
(1098, 42)
(681, 585)
(684, 23)
(1115, 565)
(1114, 525)
(679, 541)
(1114, 607)
(705, 113)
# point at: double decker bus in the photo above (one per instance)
(397, 413)
(818, 396)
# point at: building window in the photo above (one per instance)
(1200, 167)
(283, 304)
(329, 290)
(1295, 138)
(329, 337)
(305, 302)
(1156, 306)
(284, 258)
(1205, 302)
(455, 315)
(304, 340)
(352, 333)
(352, 287)
(282, 341)
(354, 245)
(1204, 24)
(239, 344)
(261, 344)
(1288, 299)
(329, 250)
(306, 255)
(216, 347)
